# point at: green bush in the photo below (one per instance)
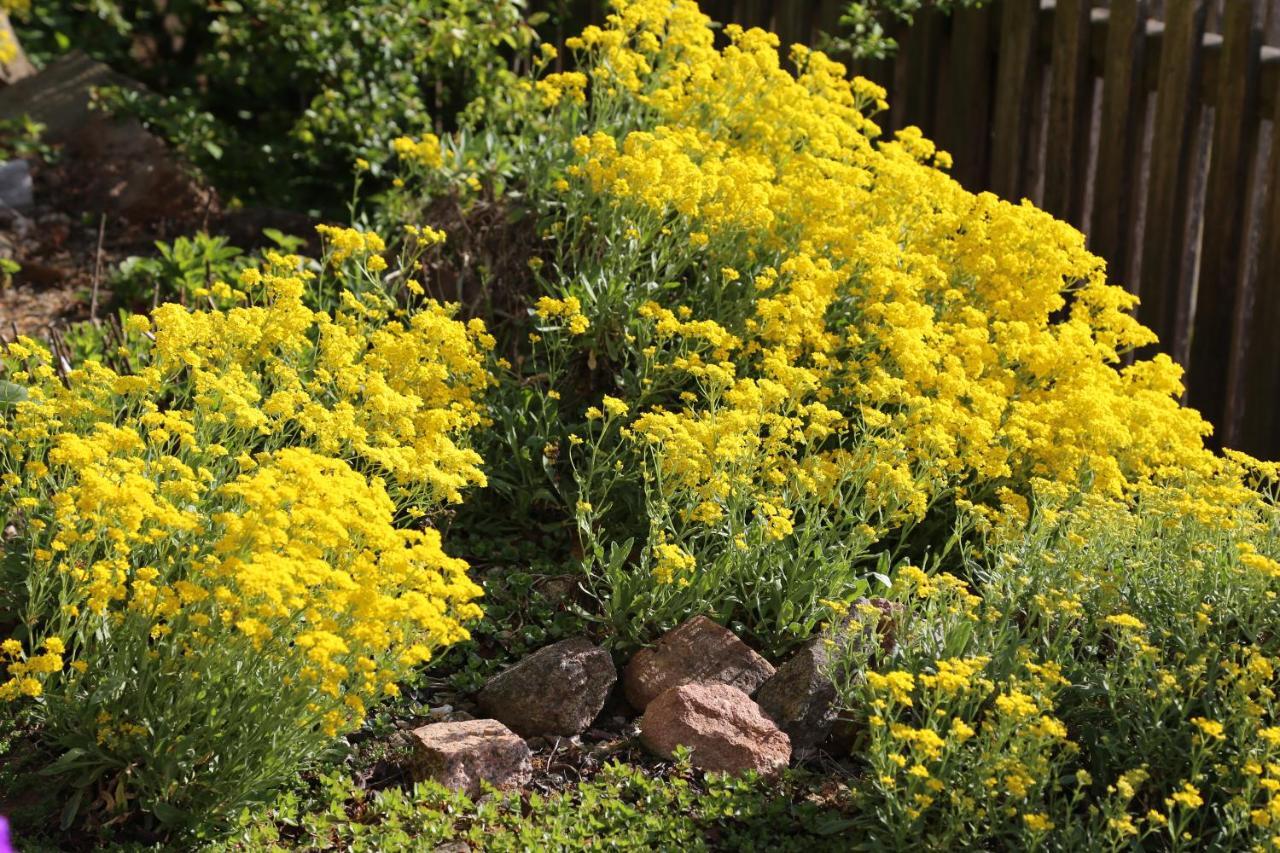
(275, 101)
(863, 22)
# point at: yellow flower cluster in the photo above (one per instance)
(567, 311)
(8, 47)
(426, 235)
(968, 337)
(1007, 746)
(344, 243)
(393, 396)
(671, 561)
(245, 480)
(1156, 606)
(424, 152)
(23, 670)
(567, 85)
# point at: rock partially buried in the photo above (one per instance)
(464, 755)
(800, 697)
(126, 171)
(557, 690)
(15, 185)
(697, 651)
(725, 730)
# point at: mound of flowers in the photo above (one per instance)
(212, 564)
(769, 343)
(776, 357)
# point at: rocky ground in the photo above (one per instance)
(558, 714)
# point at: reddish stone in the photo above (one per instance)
(725, 730)
(462, 755)
(697, 651)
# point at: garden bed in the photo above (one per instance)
(664, 458)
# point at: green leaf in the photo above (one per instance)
(12, 394)
(70, 810)
(65, 762)
(168, 814)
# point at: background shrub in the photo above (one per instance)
(276, 101)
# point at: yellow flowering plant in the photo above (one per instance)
(1104, 655)
(816, 331)
(753, 356)
(215, 562)
(769, 353)
(732, 530)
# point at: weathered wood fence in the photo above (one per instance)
(1149, 126)
(1146, 123)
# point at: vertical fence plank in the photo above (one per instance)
(794, 24)
(966, 106)
(921, 55)
(1226, 198)
(1069, 91)
(1259, 375)
(1123, 99)
(1016, 86)
(1161, 288)
(1271, 24)
(751, 13)
(725, 12)
(826, 19)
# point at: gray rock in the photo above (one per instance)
(557, 690)
(800, 697)
(15, 186)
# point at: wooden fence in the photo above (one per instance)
(1146, 123)
(1150, 129)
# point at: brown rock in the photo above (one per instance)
(801, 697)
(465, 754)
(127, 171)
(557, 690)
(697, 651)
(721, 725)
